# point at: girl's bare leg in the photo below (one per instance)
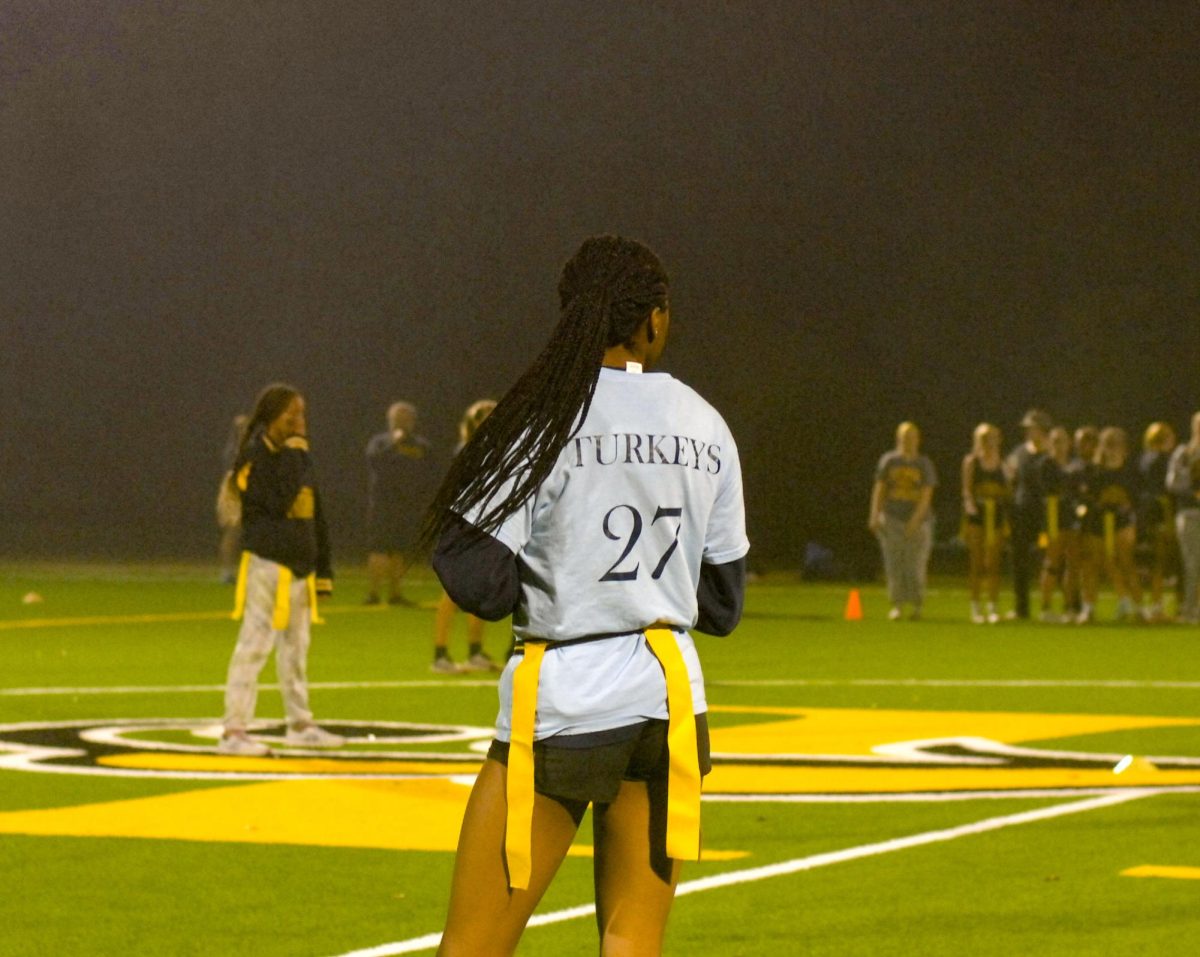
(634, 884)
(486, 917)
(442, 621)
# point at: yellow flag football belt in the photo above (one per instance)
(281, 616)
(683, 776)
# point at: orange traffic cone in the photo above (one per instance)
(854, 606)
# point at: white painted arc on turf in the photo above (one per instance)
(800, 864)
(733, 683)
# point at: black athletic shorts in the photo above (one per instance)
(581, 769)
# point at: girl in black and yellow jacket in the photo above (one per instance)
(285, 565)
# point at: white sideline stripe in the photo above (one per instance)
(730, 878)
(951, 683)
(205, 689)
(747, 683)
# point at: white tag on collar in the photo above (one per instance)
(634, 367)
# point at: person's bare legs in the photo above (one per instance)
(486, 917)
(635, 881)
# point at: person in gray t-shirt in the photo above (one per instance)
(901, 518)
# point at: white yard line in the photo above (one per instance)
(797, 865)
(748, 683)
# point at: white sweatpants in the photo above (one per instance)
(254, 644)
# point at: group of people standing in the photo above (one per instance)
(1070, 508)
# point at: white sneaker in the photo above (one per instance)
(1086, 616)
(992, 616)
(444, 666)
(895, 613)
(479, 662)
(313, 737)
(242, 746)
(976, 615)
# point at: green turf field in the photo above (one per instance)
(931, 788)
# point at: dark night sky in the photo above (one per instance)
(945, 211)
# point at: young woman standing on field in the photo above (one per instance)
(477, 659)
(600, 505)
(285, 565)
(1109, 527)
(901, 517)
(1155, 512)
(1060, 565)
(1183, 480)
(986, 494)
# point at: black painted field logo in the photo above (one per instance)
(186, 748)
(778, 753)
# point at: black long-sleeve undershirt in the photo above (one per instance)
(483, 577)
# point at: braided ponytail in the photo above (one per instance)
(607, 290)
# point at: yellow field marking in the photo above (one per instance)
(1176, 873)
(836, 732)
(853, 732)
(159, 618)
(387, 815)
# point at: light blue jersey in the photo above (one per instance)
(612, 541)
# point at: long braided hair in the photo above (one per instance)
(607, 290)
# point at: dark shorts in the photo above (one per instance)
(581, 769)
(1093, 522)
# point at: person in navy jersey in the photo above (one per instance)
(400, 478)
(1023, 465)
(1060, 563)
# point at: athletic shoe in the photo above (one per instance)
(894, 614)
(242, 746)
(993, 618)
(976, 615)
(479, 662)
(1086, 616)
(444, 666)
(313, 737)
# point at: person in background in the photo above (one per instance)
(1023, 465)
(285, 566)
(477, 659)
(229, 510)
(1110, 526)
(1060, 565)
(1183, 482)
(986, 496)
(1079, 472)
(901, 517)
(399, 478)
(1155, 516)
